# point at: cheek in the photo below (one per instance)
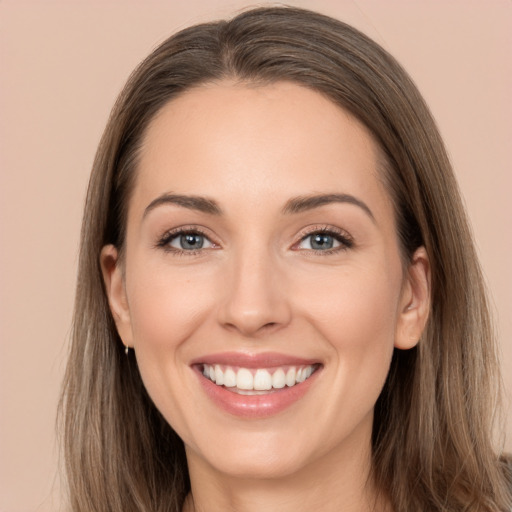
(354, 309)
(165, 306)
(356, 314)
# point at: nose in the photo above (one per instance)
(255, 300)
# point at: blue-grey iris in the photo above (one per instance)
(191, 241)
(321, 241)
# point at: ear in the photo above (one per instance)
(414, 304)
(112, 270)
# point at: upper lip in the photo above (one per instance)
(249, 360)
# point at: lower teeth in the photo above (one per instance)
(250, 391)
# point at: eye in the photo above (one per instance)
(189, 241)
(325, 241)
(182, 241)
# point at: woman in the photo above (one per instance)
(279, 303)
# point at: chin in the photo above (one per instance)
(265, 466)
(248, 454)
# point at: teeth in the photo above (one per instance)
(244, 379)
(278, 379)
(219, 376)
(261, 379)
(229, 378)
(290, 377)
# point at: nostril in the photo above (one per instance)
(252, 313)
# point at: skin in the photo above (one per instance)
(258, 286)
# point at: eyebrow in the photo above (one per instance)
(201, 204)
(304, 203)
(292, 206)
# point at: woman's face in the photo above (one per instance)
(262, 251)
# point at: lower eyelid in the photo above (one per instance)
(336, 245)
(344, 239)
(170, 236)
(207, 243)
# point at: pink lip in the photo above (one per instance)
(254, 406)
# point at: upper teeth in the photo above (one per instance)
(259, 379)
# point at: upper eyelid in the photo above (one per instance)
(186, 229)
(320, 228)
(302, 234)
(344, 237)
(172, 233)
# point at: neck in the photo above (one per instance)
(339, 480)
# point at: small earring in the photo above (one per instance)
(126, 349)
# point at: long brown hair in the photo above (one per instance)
(432, 447)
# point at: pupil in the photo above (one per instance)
(191, 241)
(321, 241)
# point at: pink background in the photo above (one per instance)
(62, 63)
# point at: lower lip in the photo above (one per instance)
(255, 406)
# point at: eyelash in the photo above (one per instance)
(341, 236)
(345, 240)
(169, 236)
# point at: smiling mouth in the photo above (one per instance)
(257, 381)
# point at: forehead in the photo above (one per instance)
(257, 142)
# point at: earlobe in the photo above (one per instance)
(116, 292)
(414, 306)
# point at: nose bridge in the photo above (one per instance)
(255, 299)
